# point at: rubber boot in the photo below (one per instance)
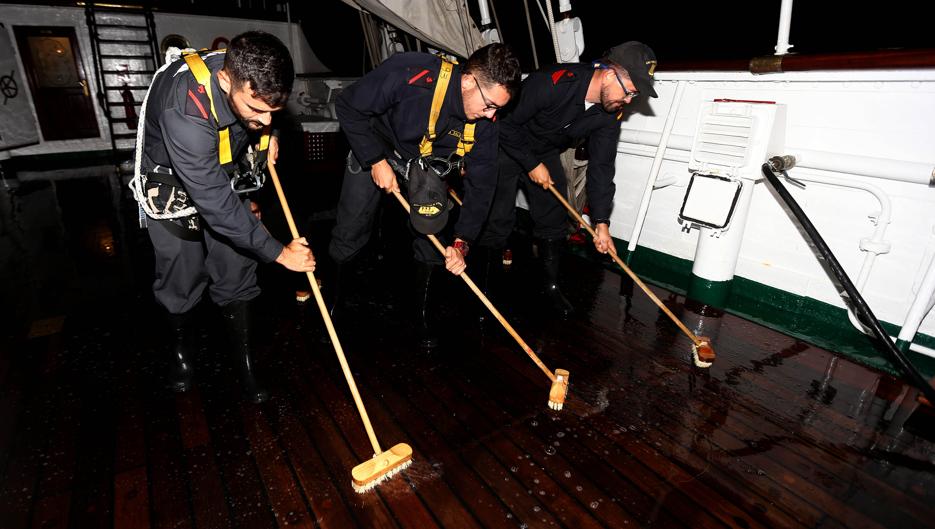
(426, 334)
(239, 327)
(550, 252)
(488, 271)
(180, 366)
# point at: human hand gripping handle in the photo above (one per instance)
(297, 256)
(384, 176)
(602, 241)
(540, 175)
(454, 260)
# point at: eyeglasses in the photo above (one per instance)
(626, 93)
(490, 105)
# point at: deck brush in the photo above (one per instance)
(702, 351)
(383, 465)
(380, 468)
(559, 389)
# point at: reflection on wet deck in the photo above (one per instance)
(777, 433)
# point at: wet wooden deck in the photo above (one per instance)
(777, 433)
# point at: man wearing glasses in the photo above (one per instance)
(385, 116)
(559, 107)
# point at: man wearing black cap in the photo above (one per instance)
(558, 108)
(386, 117)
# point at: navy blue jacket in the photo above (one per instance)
(550, 117)
(388, 109)
(181, 133)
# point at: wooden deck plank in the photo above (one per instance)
(168, 472)
(327, 503)
(51, 512)
(243, 489)
(693, 457)
(407, 507)
(455, 515)
(340, 459)
(619, 474)
(807, 450)
(209, 503)
(131, 499)
(284, 496)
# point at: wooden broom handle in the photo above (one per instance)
(574, 212)
(326, 317)
(493, 310)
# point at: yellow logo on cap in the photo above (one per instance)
(429, 211)
(652, 67)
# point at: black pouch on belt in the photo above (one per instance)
(166, 195)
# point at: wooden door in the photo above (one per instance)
(60, 86)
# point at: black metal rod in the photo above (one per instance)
(860, 306)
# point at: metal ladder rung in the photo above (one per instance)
(129, 87)
(121, 41)
(129, 72)
(121, 26)
(111, 56)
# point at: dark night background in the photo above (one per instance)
(727, 29)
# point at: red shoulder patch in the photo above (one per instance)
(422, 78)
(197, 105)
(558, 75)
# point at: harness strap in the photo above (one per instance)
(203, 75)
(466, 143)
(441, 87)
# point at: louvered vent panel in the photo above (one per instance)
(724, 140)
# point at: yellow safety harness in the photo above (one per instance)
(203, 75)
(466, 143)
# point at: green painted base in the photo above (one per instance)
(903, 345)
(804, 318)
(713, 293)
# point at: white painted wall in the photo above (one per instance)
(22, 15)
(199, 30)
(883, 114)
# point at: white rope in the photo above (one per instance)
(138, 182)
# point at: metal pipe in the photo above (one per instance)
(551, 24)
(657, 165)
(484, 12)
(535, 56)
(874, 246)
(920, 307)
(854, 297)
(785, 23)
(883, 168)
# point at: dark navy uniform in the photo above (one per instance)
(182, 135)
(385, 115)
(550, 117)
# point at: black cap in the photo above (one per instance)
(428, 197)
(639, 60)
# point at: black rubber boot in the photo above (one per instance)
(239, 328)
(550, 252)
(427, 338)
(180, 366)
(487, 266)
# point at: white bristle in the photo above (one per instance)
(697, 359)
(373, 484)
